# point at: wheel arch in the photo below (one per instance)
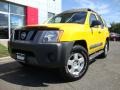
(82, 43)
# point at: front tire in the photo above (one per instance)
(77, 64)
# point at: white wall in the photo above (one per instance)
(54, 6)
(58, 6)
(44, 6)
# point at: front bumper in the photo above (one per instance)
(50, 55)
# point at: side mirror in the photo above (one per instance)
(95, 23)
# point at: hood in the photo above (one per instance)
(58, 26)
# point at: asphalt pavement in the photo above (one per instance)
(103, 74)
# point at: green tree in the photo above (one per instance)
(115, 27)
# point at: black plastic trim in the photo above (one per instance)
(50, 55)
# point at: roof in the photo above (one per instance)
(78, 10)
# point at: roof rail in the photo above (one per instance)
(78, 10)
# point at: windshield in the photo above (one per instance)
(78, 17)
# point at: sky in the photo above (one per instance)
(108, 9)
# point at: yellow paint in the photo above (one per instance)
(74, 32)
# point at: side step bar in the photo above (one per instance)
(93, 56)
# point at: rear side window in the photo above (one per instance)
(92, 18)
(100, 19)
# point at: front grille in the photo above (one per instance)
(27, 35)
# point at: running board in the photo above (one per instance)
(93, 56)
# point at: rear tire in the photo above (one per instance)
(105, 51)
(77, 64)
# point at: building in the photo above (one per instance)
(17, 13)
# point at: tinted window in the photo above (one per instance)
(16, 15)
(100, 19)
(61, 18)
(3, 19)
(3, 26)
(69, 18)
(16, 21)
(16, 9)
(92, 18)
(78, 18)
(3, 6)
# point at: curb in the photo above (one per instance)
(5, 58)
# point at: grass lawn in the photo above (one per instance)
(3, 51)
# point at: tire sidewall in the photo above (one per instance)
(83, 52)
(106, 52)
(106, 46)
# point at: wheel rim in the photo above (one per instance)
(106, 49)
(75, 63)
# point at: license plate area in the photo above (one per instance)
(20, 57)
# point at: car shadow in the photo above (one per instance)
(95, 59)
(32, 76)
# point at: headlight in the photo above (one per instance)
(51, 36)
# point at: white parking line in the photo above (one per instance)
(5, 58)
(6, 61)
(2, 74)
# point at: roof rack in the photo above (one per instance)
(78, 10)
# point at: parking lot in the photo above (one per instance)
(103, 74)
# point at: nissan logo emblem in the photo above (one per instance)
(23, 35)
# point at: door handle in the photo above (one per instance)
(99, 32)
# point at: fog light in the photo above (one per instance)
(51, 57)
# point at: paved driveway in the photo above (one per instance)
(103, 74)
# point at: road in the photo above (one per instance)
(103, 74)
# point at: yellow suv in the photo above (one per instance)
(68, 41)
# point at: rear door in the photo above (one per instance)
(95, 34)
(102, 29)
